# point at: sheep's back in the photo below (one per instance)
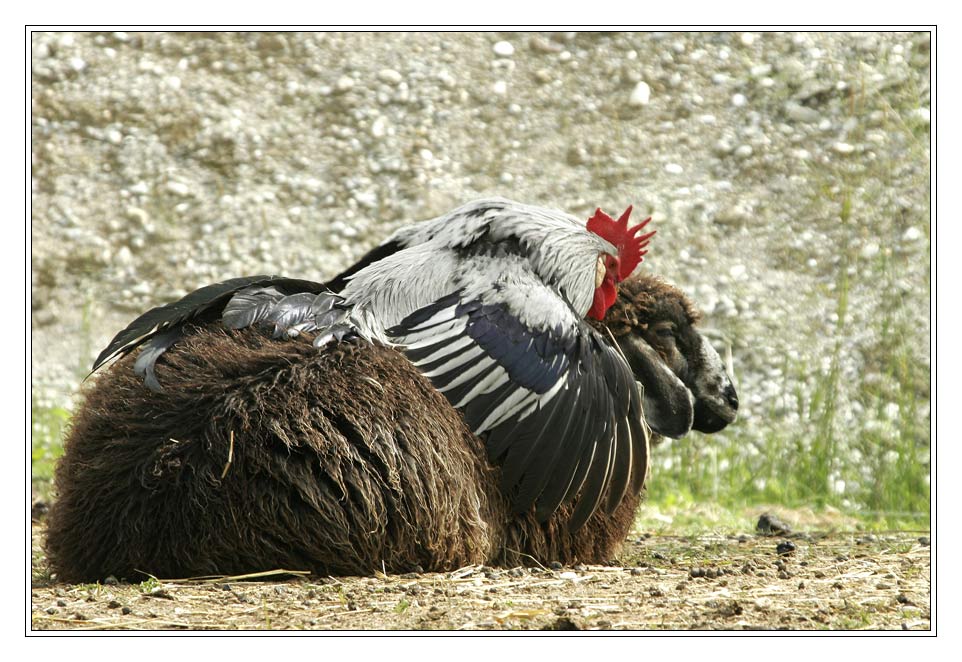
(263, 454)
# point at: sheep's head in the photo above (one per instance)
(685, 382)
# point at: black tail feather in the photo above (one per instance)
(198, 307)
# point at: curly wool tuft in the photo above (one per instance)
(644, 298)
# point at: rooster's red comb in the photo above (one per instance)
(630, 245)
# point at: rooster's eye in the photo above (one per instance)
(614, 265)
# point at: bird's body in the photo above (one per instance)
(489, 302)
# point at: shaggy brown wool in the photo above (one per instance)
(643, 299)
(526, 541)
(344, 462)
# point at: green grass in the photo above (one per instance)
(882, 463)
(874, 465)
(47, 426)
(48, 423)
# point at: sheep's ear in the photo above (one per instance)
(668, 404)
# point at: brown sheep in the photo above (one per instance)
(263, 454)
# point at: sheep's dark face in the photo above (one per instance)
(685, 384)
(701, 370)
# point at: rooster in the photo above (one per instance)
(489, 302)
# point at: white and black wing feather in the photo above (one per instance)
(558, 407)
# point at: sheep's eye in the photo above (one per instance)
(665, 332)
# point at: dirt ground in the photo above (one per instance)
(809, 581)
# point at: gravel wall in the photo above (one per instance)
(782, 170)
